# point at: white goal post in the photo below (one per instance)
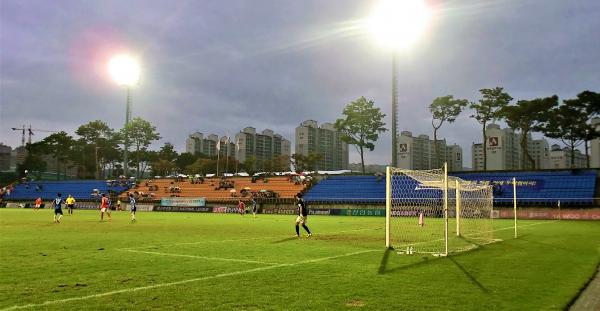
(428, 211)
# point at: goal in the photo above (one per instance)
(428, 211)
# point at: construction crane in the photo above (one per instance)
(30, 133)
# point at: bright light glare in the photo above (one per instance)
(124, 70)
(398, 23)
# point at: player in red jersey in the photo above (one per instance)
(104, 208)
(241, 207)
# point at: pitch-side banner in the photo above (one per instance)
(183, 202)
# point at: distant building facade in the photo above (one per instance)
(419, 153)
(263, 147)
(561, 158)
(539, 149)
(454, 157)
(5, 157)
(324, 140)
(504, 151)
(196, 143)
(595, 146)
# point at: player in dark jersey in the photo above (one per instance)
(254, 207)
(302, 215)
(132, 206)
(57, 203)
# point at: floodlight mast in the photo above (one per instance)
(125, 71)
(397, 24)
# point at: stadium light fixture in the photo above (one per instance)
(125, 71)
(397, 24)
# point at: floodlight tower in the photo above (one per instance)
(125, 71)
(397, 24)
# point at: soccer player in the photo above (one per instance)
(132, 207)
(58, 214)
(254, 207)
(38, 204)
(242, 207)
(70, 204)
(119, 204)
(302, 215)
(104, 207)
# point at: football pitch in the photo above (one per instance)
(229, 262)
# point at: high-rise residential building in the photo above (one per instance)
(419, 153)
(595, 146)
(561, 158)
(325, 141)
(539, 150)
(5, 155)
(454, 157)
(226, 146)
(196, 143)
(264, 147)
(502, 150)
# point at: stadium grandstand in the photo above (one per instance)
(79, 189)
(221, 190)
(534, 188)
(571, 187)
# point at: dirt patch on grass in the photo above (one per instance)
(355, 303)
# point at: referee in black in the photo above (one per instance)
(302, 215)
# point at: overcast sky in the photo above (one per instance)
(218, 66)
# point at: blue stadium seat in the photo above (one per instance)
(79, 189)
(537, 187)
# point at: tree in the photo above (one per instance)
(185, 159)
(167, 152)
(141, 133)
(361, 126)
(487, 109)
(59, 145)
(281, 163)
(162, 167)
(98, 145)
(528, 116)
(250, 165)
(304, 163)
(444, 109)
(568, 123)
(33, 161)
(590, 103)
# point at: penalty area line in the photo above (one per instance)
(200, 257)
(160, 285)
(241, 240)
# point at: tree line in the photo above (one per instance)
(96, 151)
(568, 121)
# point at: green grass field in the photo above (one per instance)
(229, 262)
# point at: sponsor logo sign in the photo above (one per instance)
(188, 202)
(198, 209)
(285, 211)
(364, 212)
(531, 213)
(225, 210)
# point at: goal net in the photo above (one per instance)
(431, 212)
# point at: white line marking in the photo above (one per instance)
(470, 235)
(246, 239)
(200, 257)
(222, 275)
